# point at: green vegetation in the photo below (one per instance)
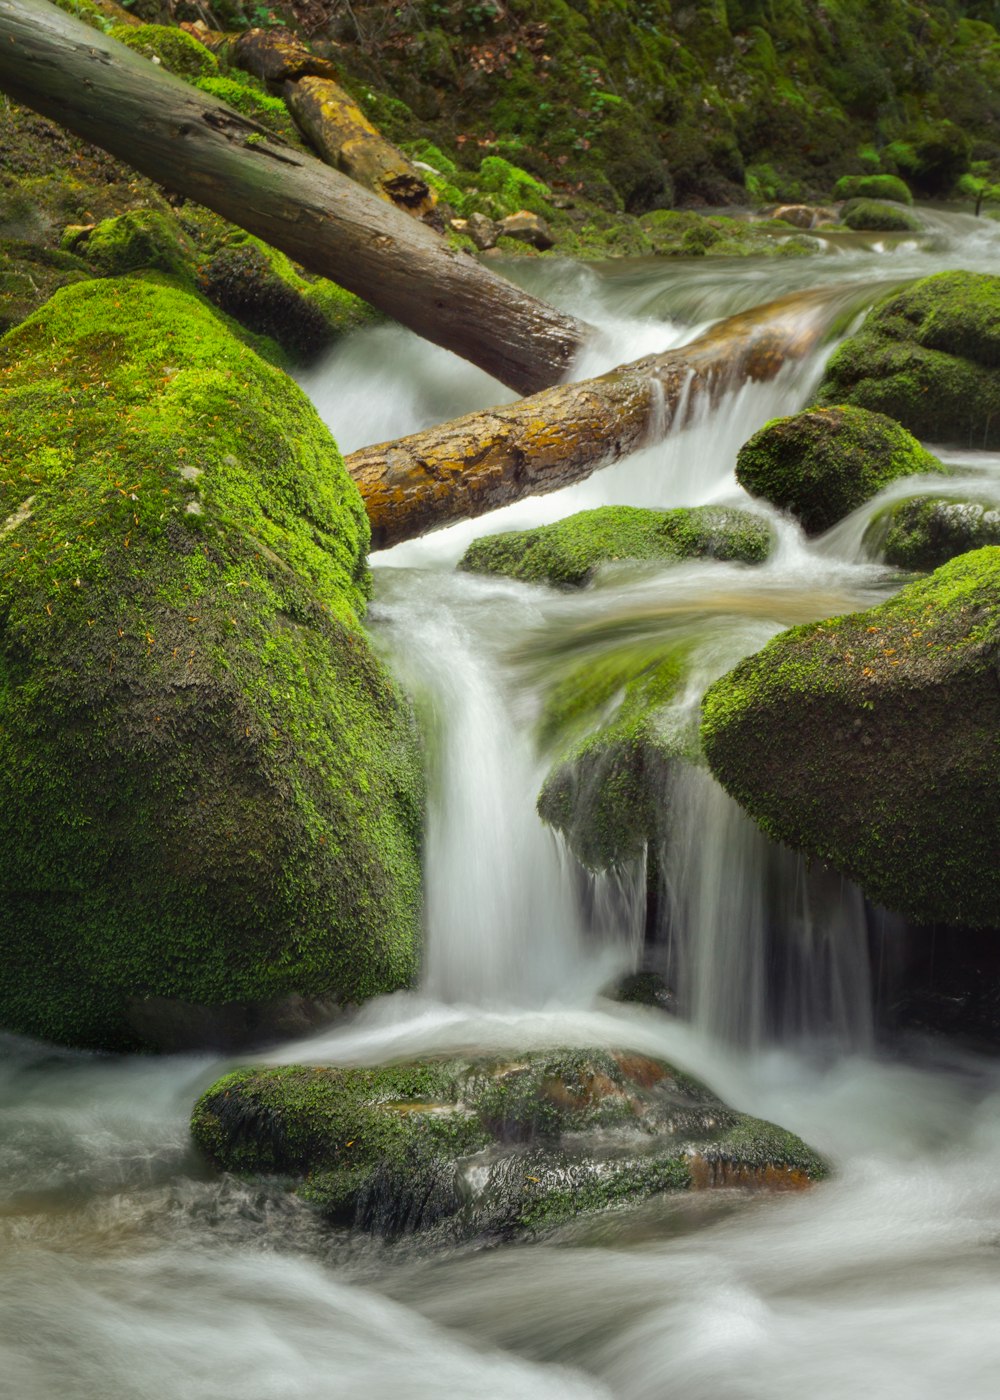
(171, 48)
(928, 356)
(823, 463)
(878, 187)
(869, 214)
(553, 1134)
(927, 531)
(213, 792)
(872, 742)
(569, 552)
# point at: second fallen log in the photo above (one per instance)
(495, 456)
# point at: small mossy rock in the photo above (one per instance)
(872, 742)
(928, 356)
(823, 463)
(875, 216)
(926, 531)
(174, 49)
(144, 240)
(879, 187)
(212, 787)
(609, 795)
(568, 552)
(490, 1148)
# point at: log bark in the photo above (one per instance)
(339, 131)
(202, 149)
(499, 455)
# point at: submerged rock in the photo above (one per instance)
(823, 463)
(490, 1147)
(928, 356)
(872, 742)
(927, 531)
(569, 552)
(212, 788)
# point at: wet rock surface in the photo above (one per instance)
(491, 1147)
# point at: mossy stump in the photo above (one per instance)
(212, 790)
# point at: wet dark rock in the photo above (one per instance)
(927, 531)
(490, 1148)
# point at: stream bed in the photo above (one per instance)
(130, 1271)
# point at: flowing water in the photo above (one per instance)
(129, 1271)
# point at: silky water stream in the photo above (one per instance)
(130, 1272)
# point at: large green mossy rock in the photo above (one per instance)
(569, 552)
(877, 187)
(823, 463)
(928, 356)
(211, 787)
(492, 1147)
(873, 743)
(926, 531)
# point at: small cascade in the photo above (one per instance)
(759, 947)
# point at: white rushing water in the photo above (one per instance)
(130, 1273)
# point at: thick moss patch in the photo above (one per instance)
(212, 790)
(928, 356)
(568, 552)
(879, 217)
(489, 1147)
(873, 743)
(880, 187)
(824, 463)
(927, 531)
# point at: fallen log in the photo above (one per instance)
(499, 455)
(202, 149)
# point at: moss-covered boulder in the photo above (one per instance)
(877, 216)
(926, 531)
(492, 1147)
(141, 240)
(212, 793)
(823, 463)
(569, 552)
(928, 356)
(873, 743)
(879, 187)
(167, 47)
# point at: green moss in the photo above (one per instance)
(213, 795)
(872, 742)
(174, 49)
(825, 462)
(929, 356)
(29, 275)
(683, 233)
(869, 214)
(247, 96)
(548, 1136)
(568, 553)
(878, 187)
(512, 187)
(927, 531)
(147, 239)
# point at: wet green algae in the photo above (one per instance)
(568, 553)
(823, 463)
(212, 788)
(928, 356)
(488, 1147)
(872, 742)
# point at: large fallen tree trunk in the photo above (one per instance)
(204, 150)
(498, 455)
